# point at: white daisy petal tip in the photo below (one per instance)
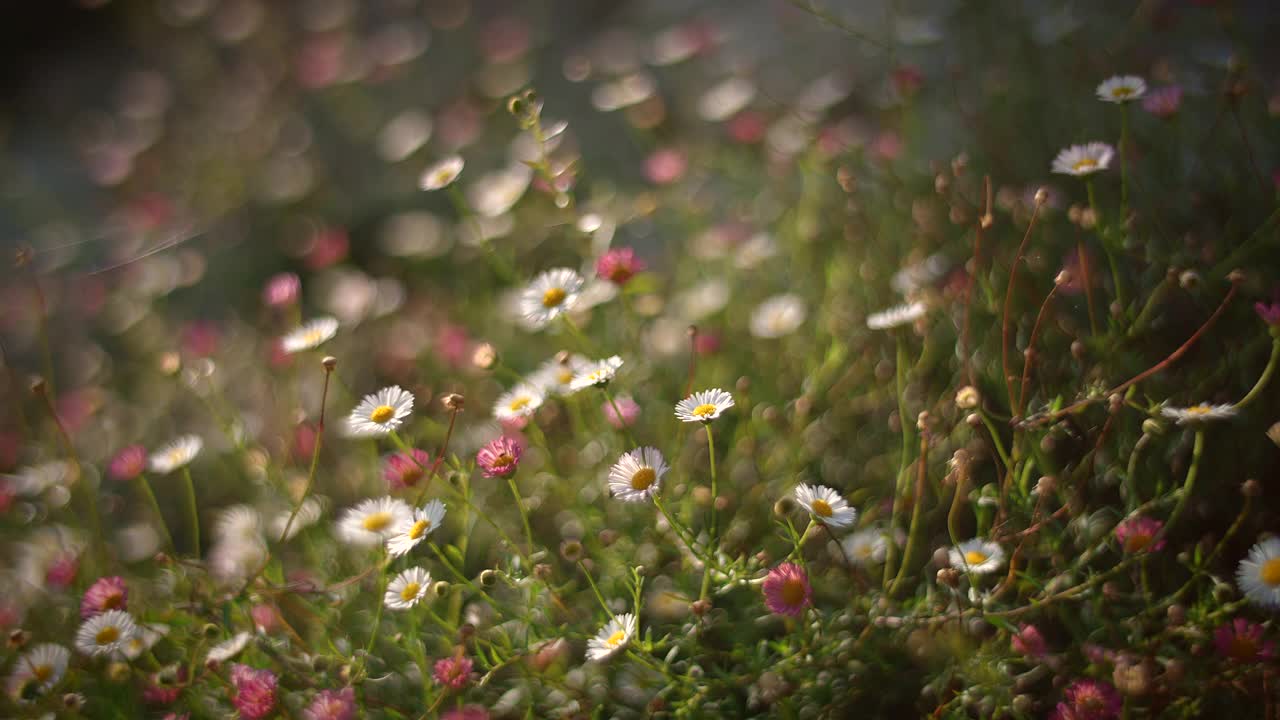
(704, 406)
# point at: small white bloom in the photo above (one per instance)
(407, 589)
(519, 402)
(914, 277)
(896, 316)
(1259, 574)
(596, 374)
(176, 455)
(779, 315)
(442, 174)
(308, 514)
(1199, 413)
(106, 633)
(704, 406)
(380, 413)
(555, 377)
(494, 193)
(550, 295)
(826, 505)
(1122, 89)
(1085, 159)
(612, 637)
(865, 547)
(637, 474)
(421, 522)
(146, 636)
(726, 99)
(372, 521)
(31, 481)
(977, 556)
(238, 522)
(310, 335)
(229, 648)
(44, 664)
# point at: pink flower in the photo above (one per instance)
(453, 672)
(466, 712)
(255, 691)
(62, 570)
(619, 265)
(887, 145)
(747, 127)
(304, 442)
(265, 618)
(1090, 700)
(1028, 641)
(628, 407)
(129, 463)
(452, 345)
(106, 593)
(500, 457)
(157, 692)
(404, 470)
(1242, 641)
(200, 338)
(787, 590)
(706, 343)
(907, 79)
(1269, 312)
(281, 290)
(328, 246)
(1136, 534)
(332, 705)
(1163, 101)
(7, 495)
(665, 166)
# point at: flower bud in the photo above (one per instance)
(452, 401)
(440, 588)
(488, 578)
(118, 672)
(571, 550)
(784, 506)
(329, 362)
(968, 398)
(1251, 488)
(19, 638)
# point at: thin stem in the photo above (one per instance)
(315, 459)
(377, 615)
(193, 514)
(1131, 476)
(524, 514)
(626, 430)
(900, 372)
(583, 343)
(1124, 166)
(1028, 357)
(712, 542)
(693, 359)
(915, 536)
(596, 590)
(1265, 378)
(1087, 280)
(1188, 486)
(1008, 301)
(145, 486)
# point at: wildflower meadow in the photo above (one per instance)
(804, 359)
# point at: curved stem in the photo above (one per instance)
(524, 514)
(150, 495)
(315, 460)
(1265, 378)
(193, 514)
(1188, 486)
(626, 429)
(900, 376)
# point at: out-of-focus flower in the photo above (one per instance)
(332, 705)
(1080, 160)
(1163, 102)
(1028, 641)
(466, 712)
(404, 470)
(329, 246)
(549, 295)
(281, 290)
(372, 521)
(43, 665)
(826, 505)
(637, 475)
(129, 463)
(787, 590)
(200, 338)
(407, 589)
(380, 413)
(1203, 412)
(779, 315)
(896, 316)
(1269, 312)
(453, 672)
(555, 376)
(176, 455)
(1136, 534)
(62, 571)
(310, 336)
(414, 529)
(619, 265)
(977, 556)
(228, 649)
(1122, 89)
(106, 593)
(1259, 574)
(1242, 641)
(254, 694)
(596, 374)
(865, 546)
(704, 406)
(442, 174)
(665, 166)
(1087, 699)
(106, 633)
(628, 407)
(612, 638)
(518, 403)
(500, 457)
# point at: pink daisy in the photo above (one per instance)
(466, 712)
(499, 458)
(787, 590)
(1135, 535)
(1028, 641)
(281, 290)
(628, 407)
(619, 265)
(1163, 102)
(106, 593)
(62, 570)
(1089, 700)
(129, 463)
(1242, 641)
(453, 672)
(403, 470)
(332, 705)
(255, 691)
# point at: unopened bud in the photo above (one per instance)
(949, 576)
(118, 672)
(1189, 280)
(1177, 614)
(440, 588)
(967, 397)
(1152, 427)
(1042, 196)
(329, 362)
(19, 638)
(700, 607)
(488, 578)
(1251, 488)
(1063, 277)
(571, 550)
(453, 401)
(1235, 276)
(484, 356)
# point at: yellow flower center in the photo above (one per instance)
(382, 413)
(1199, 410)
(112, 601)
(1084, 164)
(42, 672)
(553, 297)
(1136, 542)
(312, 337)
(704, 410)
(1270, 573)
(503, 459)
(410, 591)
(821, 508)
(975, 557)
(1242, 648)
(862, 551)
(616, 638)
(377, 522)
(565, 377)
(643, 478)
(107, 635)
(793, 592)
(518, 404)
(1121, 92)
(419, 529)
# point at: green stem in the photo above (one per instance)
(1124, 166)
(150, 495)
(711, 454)
(595, 590)
(377, 615)
(315, 461)
(1131, 475)
(1187, 487)
(524, 514)
(626, 430)
(1265, 378)
(193, 514)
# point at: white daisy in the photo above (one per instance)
(31, 481)
(44, 665)
(596, 374)
(549, 295)
(143, 639)
(977, 556)
(308, 514)
(612, 637)
(1085, 159)
(1122, 88)
(1259, 574)
(422, 522)
(176, 455)
(1199, 413)
(826, 505)
(896, 316)
(237, 522)
(442, 174)
(380, 413)
(779, 315)
(865, 547)
(554, 376)
(704, 405)
(372, 521)
(519, 402)
(106, 633)
(229, 648)
(637, 474)
(311, 335)
(407, 589)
